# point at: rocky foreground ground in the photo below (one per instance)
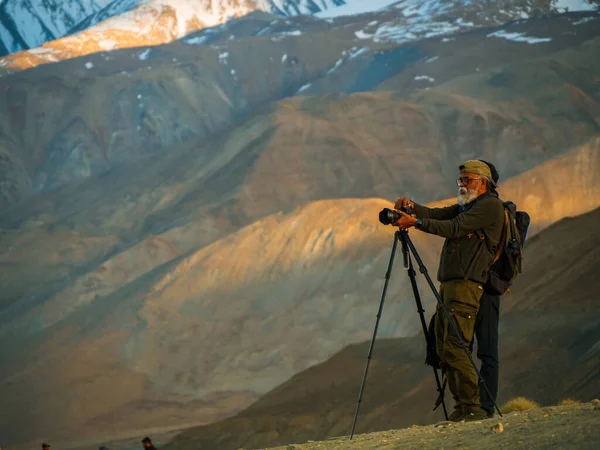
(555, 427)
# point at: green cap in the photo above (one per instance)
(477, 167)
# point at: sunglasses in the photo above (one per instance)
(465, 180)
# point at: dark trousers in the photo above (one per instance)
(486, 332)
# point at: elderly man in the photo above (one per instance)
(472, 229)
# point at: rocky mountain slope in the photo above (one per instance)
(549, 327)
(80, 118)
(566, 427)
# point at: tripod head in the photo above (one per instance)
(402, 236)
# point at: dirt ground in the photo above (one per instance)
(556, 427)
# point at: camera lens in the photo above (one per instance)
(388, 216)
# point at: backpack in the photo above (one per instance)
(508, 260)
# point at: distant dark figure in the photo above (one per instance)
(45, 446)
(102, 447)
(147, 443)
(486, 332)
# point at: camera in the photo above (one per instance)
(388, 216)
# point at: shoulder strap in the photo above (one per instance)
(502, 236)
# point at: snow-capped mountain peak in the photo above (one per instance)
(107, 25)
(28, 24)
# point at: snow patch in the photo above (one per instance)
(518, 37)
(418, 8)
(432, 59)
(144, 55)
(360, 34)
(282, 35)
(284, 58)
(46, 53)
(392, 32)
(305, 87)
(334, 68)
(574, 5)
(459, 21)
(359, 52)
(198, 40)
(584, 20)
(263, 31)
(424, 77)
(88, 65)
(353, 7)
(108, 44)
(223, 57)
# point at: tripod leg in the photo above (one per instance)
(423, 270)
(421, 311)
(385, 285)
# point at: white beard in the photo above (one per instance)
(465, 196)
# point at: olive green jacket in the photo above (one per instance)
(472, 235)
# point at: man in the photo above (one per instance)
(147, 443)
(472, 229)
(45, 446)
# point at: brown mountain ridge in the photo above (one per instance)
(81, 117)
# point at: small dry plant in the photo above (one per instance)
(518, 404)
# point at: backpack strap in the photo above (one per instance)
(502, 236)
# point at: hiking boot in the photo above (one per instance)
(470, 416)
(455, 416)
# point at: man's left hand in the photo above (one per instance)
(405, 221)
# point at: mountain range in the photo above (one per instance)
(36, 32)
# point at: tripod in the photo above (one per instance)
(407, 248)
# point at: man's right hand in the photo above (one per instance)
(403, 203)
